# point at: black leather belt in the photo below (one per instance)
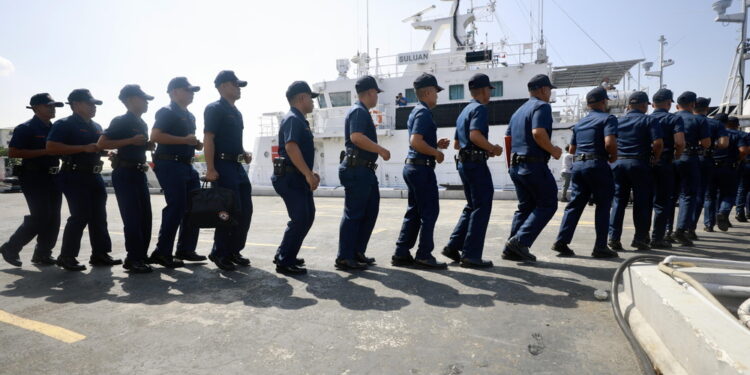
(472, 155)
(17, 170)
(352, 161)
(694, 151)
(633, 157)
(182, 159)
(427, 162)
(95, 168)
(240, 158)
(119, 163)
(585, 157)
(516, 159)
(667, 156)
(725, 163)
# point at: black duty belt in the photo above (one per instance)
(240, 158)
(694, 151)
(585, 157)
(634, 157)
(472, 155)
(95, 168)
(726, 163)
(667, 156)
(709, 153)
(352, 161)
(182, 159)
(426, 162)
(281, 167)
(119, 163)
(18, 169)
(516, 159)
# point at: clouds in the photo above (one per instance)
(6, 67)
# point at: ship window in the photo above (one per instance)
(456, 92)
(411, 96)
(498, 89)
(341, 99)
(322, 101)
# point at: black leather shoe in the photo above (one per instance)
(239, 260)
(12, 259)
(190, 257)
(615, 245)
(722, 221)
(670, 237)
(137, 266)
(299, 262)
(511, 256)
(70, 264)
(451, 254)
(691, 235)
(166, 261)
(224, 263)
(290, 270)
(681, 237)
(563, 249)
(661, 244)
(104, 260)
(639, 245)
(512, 246)
(362, 258)
(741, 217)
(402, 260)
(430, 263)
(708, 229)
(475, 263)
(349, 264)
(43, 260)
(604, 253)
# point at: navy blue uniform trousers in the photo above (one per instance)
(87, 201)
(590, 178)
(134, 201)
(688, 169)
(663, 177)
(43, 221)
(231, 240)
(300, 206)
(361, 207)
(422, 212)
(177, 180)
(471, 229)
(536, 191)
(635, 175)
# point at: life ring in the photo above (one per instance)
(377, 117)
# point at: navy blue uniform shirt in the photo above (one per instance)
(670, 125)
(420, 122)
(225, 121)
(473, 117)
(295, 128)
(737, 139)
(75, 131)
(635, 133)
(32, 135)
(174, 120)
(124, 127)
(716, 129)
(589, 132)
(358, 120)
(534, 114)
(696, 129)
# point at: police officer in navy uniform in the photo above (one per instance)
(530, 129)
(357, 174)
(174, 132)
(719, 141)
(129, 135)
(639, 141)
(697, 139)
(224, 157)
(74, 138)
(743, 174)
(594, 143)
(466, 243)
(722, 189)
(663, 170)
(294, 179)
(37, 181)
(419, 174)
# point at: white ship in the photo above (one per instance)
(509, 66)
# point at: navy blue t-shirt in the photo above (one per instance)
(358, 120)
(32, 135)
(124, 127)
(174, 120)
(472, 117)
(295, 128)
(75, 131)
(225, 121)
(420, 122)
(534, 114)
(696, 129)
(670, 125)
(635, 133)
(590, 131)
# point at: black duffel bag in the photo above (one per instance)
(212, 207)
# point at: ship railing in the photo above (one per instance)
(568, 108)
(330, 121)
(268, 124)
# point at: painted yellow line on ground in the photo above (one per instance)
(57, 333)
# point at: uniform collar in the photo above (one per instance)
(36, 121)
(475, 101)
(660, 110)
(225, 102)
(176, 107)
(296, 112)
(635, 112)
(361, 105)
(80, 119)
(423, 104)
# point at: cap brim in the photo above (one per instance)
(148, 97)
(193, 88)
(241, 83)
(314, 94)
(96, 101)
(439, 88)
(379, 90)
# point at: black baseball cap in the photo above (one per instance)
(722, 118)
(133, 90)
(538, 81)
(43, 99)
(82, 95)
(702, 102)
(228, 76)
(366, 83)
(687, 97)
(638, 97)
(662, 95)
(426, 80)
(299, 87)
(596, 95)
(479, 81)
(181, 83)
(733, 119)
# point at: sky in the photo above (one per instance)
(57, 46)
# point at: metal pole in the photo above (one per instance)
(661, 60)
(743, 45)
